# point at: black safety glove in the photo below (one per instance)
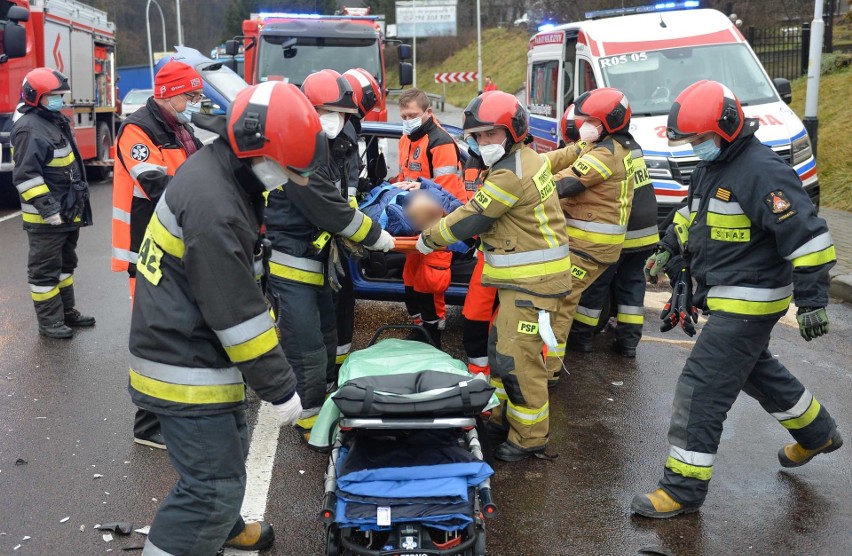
(813, 322)
(679, 308)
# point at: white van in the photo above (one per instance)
(652, 57)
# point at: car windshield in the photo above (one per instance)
(312, 54)
(652, 80)
(224, 80)
(138, 96)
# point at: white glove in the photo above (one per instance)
(289, 411)
(385, 243)
(545, 330)
(54, 219)
(422, 247)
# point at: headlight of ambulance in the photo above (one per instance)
(801, 150)
(658, 168)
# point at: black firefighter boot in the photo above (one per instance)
(73, 317)
(434, 333)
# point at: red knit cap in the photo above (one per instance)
(176, 78)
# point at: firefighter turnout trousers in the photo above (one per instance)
(477, 314)
(517, 368)
(730, 355)
(584, 272)
(308, 325)
(50, 272)
(209, 454)
(344, 306)
(626, 281)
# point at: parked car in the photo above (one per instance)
(221, 84)
(134, 100)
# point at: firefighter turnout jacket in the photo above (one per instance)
(753, 237)
(200, 322)
(299, 220)
(642, 232)
(596, 194)
(517, 216)
(148, 153)
(48, 172)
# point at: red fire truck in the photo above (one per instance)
(289, 47)
(79, 41)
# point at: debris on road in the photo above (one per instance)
(107, 537)
(618, 383)
(120, 527)
(97, 476)
(143, 530)
(133, 546)
(21, 461)
(64, 519)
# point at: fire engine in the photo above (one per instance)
(289, 47)
(78, 41)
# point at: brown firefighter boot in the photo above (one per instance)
(794, 455)
(256, 535)
(659, 505)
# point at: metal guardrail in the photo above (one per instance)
(437, 101)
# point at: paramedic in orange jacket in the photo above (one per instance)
(426, 150)
(151, 144)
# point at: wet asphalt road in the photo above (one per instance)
(64, 410)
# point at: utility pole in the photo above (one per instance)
(180, 29)
(414, 42)
(811, 120)
(479, 45)
(148, 26)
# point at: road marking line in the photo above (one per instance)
(10, 216)
(259, 464)
(667, 341)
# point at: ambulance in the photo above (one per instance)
(652, 56)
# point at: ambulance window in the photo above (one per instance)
(587, 77)
(567, 83)
(544, 88)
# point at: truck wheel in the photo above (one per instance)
(103, 140)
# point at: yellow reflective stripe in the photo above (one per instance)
(37, 219)
(602, 168)
(630, 319)
(641, 241)
(527, 416)
(623, 202)
(687, 470)
(816, 259)
(362, 230)
(295, 274)
(499, 194)
(341, 358)
(558, 351)
(307, 422)
(742, 307)
(585, 319)
(66, 282)
(499, 391)
(544, 226)
(596, 237)
(805, 419)
(728, 220)
(528, 271)
(35, 192)
(184, 393)
(445, 231)
(45, 295)
(253, 348)
(171, 244)
(62, 162)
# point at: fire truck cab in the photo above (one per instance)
(652, 57)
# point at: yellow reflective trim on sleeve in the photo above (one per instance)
(585, 319)
(499, 194)
(590, 160)
(630, 319)
(35, 192)
(687, 470)
(67, 282)
(742, 307)
(46, 295)
(804, 419)
(254, 348)
(816, 259)
(641, 241)
(172, 245)
(445, 231)
(183, 393)
(728, 220)
(296, 275)
(596, 237)
(62, 162)
(527, 271)
(362, 230)
(37, 219)
(525, 327)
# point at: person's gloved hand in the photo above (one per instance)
(289, 411)
(656, 264)
(54, 219)
(385, 243)
(679, 308)
(422, 247)
(813, 322)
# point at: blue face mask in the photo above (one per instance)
(54, 103)
(707, 150)
(472, 145)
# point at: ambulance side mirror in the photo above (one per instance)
(785, 90)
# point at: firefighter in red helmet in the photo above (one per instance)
(51, 182)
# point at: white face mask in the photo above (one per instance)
(269, 172)
(589, 132)
(410, 126)
(332, 124)
(491, 153)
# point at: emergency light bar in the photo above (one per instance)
(658, 7)
(284, 15)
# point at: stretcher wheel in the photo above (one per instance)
(479, 545)
(332, 541)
